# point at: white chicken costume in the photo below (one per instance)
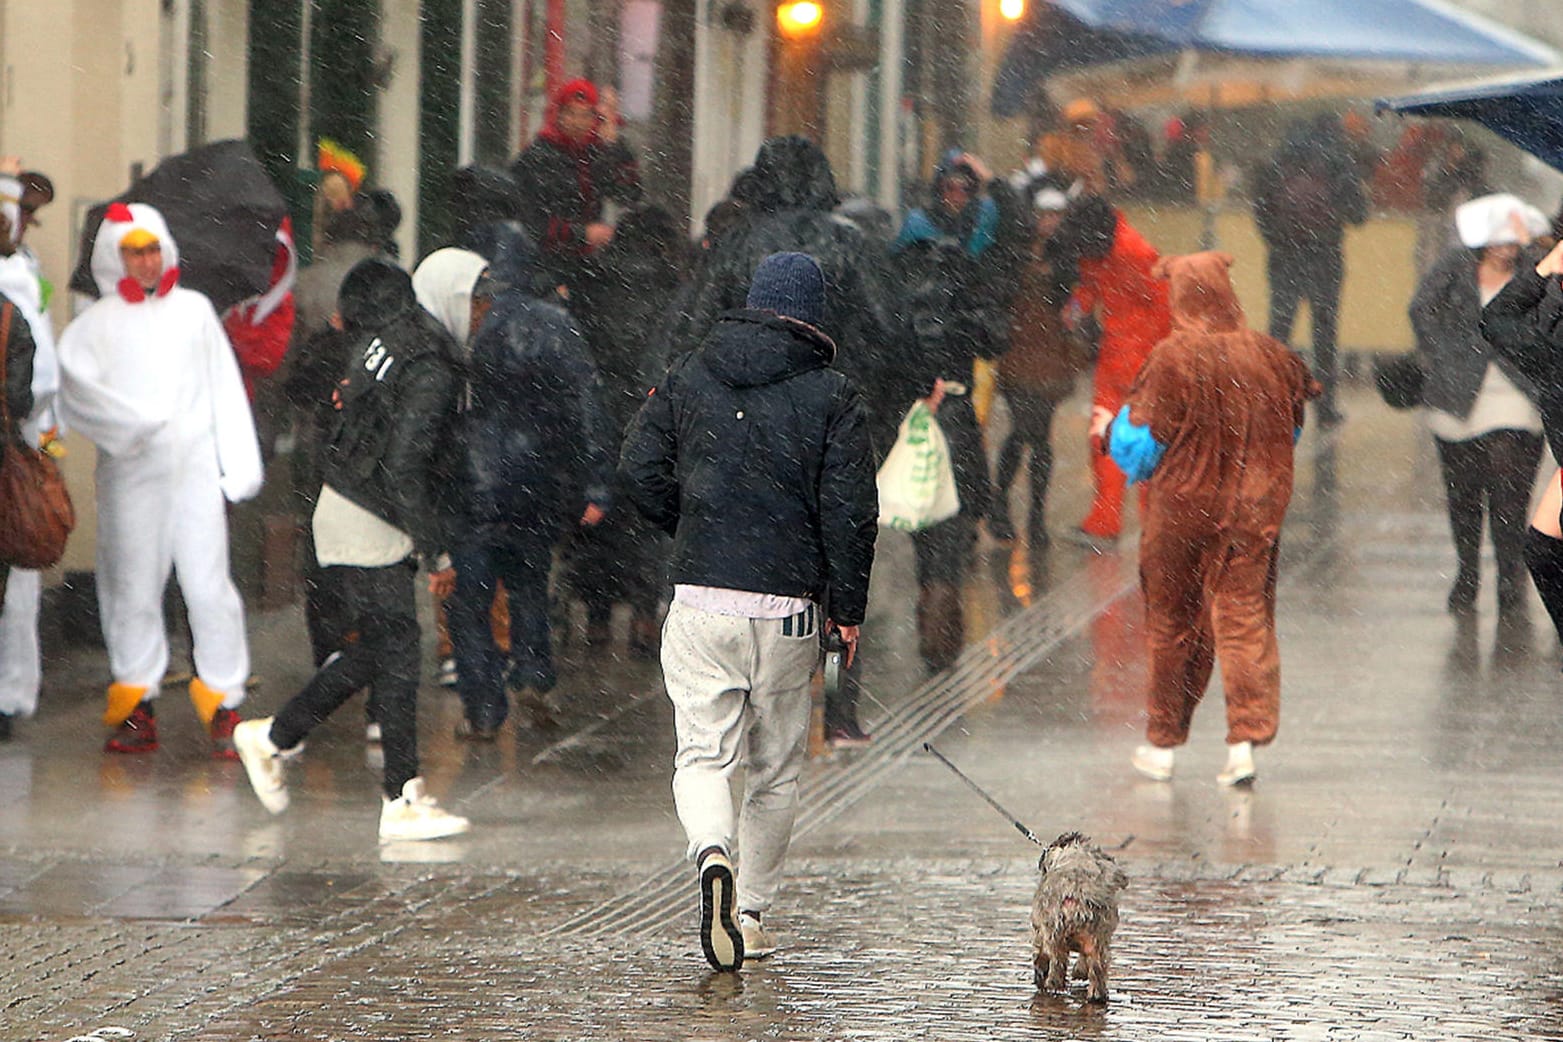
(151, 379)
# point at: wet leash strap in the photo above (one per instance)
(1032, 836)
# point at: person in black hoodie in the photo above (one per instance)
(1524, 325)
(538, 462)
(788, 197)
(1303, 200)
(953, 262)
(621, 299)
(382, 506)
(753, 454)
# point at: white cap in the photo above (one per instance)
(1489, 220)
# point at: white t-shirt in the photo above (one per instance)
(347, 534)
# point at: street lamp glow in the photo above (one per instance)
(1012, 9)
(799, 17)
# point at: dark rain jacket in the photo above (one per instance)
(753, 454)
(561, 186)
(18, 368)
(790, 193)
(1309, 190)
(1524, 324)
(621, 299)
(1446, 314)
(948, 326)
(392, 447)
(535, 435)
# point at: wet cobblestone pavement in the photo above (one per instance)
(1396, 873)
(911, 949)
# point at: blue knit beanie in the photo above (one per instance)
(789, 284)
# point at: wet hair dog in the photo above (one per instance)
(1075, 910)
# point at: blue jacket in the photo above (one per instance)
(535, 434)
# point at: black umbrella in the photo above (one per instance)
(223, 212)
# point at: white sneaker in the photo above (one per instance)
(262, 762)
(1153, 761)
(1240, 765)
(415, 815)
(758, 941)
(446, 676)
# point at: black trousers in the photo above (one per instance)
(1032, 417)
(379, 602)
(1492, 475)
(1314, 275)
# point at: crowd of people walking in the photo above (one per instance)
(569, 400)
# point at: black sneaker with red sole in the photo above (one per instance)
(138, 734)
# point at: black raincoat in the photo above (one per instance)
(790, 193)
(391, 448)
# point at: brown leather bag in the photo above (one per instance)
(36, 516)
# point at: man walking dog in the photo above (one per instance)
(754, 455)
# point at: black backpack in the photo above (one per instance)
(1304, 205)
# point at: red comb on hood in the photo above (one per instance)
(119, 213)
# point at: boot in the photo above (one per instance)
(644, 635)
(941, 626)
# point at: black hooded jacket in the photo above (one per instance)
(754, 455)
(621, 299)
(790, 194)
(1524, 325)
(391, 449)
(18, 374)
(536, 439)
(1309, 190)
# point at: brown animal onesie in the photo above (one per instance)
(1227, 403)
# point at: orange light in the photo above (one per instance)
(799, 17)
(1012, 9)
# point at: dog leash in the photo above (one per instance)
(1032, 836)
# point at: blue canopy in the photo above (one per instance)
(1527, 111)
(1423, 31)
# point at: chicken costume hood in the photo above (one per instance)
(140, 224)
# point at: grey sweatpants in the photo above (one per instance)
(740, 693)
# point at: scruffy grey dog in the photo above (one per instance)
(1075, 910)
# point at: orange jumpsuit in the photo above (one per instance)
(1134, 317)
(1226, 403)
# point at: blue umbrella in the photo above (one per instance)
(1527, 111)
(1422, 31)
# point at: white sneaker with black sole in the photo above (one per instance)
(720, 937)
(1240, 768)
(417, 815)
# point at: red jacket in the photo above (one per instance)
(1135, 313)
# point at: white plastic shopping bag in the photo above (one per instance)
(917, 481)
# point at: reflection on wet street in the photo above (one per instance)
(1396, 872)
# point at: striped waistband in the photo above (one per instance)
(803, 624)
